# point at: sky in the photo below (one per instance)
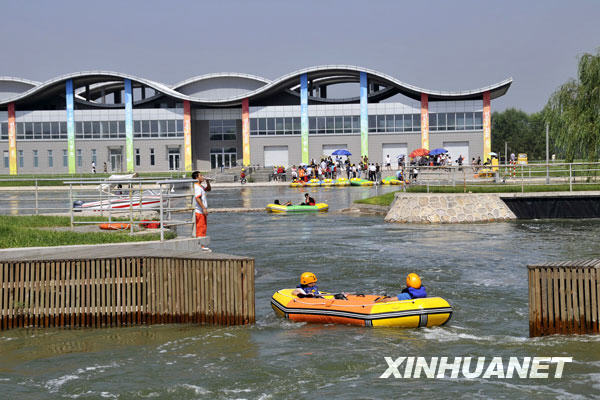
(438, 45)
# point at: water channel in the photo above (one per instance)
(479, 268)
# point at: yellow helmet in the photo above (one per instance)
(413, 280)
(308, 277)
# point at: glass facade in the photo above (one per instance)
(222, 129)
(384, 123)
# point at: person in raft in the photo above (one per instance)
(413, 290)
(307, 287)
(287, 203)
(308, 201)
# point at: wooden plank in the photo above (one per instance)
(239, 307)
(10, 290)
(197, 291)
(252, 293)
(596, 307)
(53, 285)
(136, 296)
(581, 299)
(102, 287)
(550, 295)
(41, 304)
(575, 292)
(153, 291)
(3, 295)
(556, 292)
(588, 300)
(570, 321)
(187, 292)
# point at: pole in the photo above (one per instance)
(547, 157)
(162, 226)
(71, 202)
(37, 211)
(570, 178)
(505, 154)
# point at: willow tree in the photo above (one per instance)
(573, 112)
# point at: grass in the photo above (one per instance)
(388, 198)
(23, 231)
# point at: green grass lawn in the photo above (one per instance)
(23, 231)
(388, 198)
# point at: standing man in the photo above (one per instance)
(388, 162)
(201, 206)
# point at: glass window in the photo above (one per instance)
(321, 125)
(63, 129)
(229, 126)
(20, 128)
(154, 128)
(407, 122)
(381, 123)
(87, 129)
(441, 121)
(37, 130)
(356, 124)
(4, 130)
(121, 128)
(65, 158)
(51, 158)
(399, 123)
(297, 125)
(460, 120)
(79, 158)
(179, 125)
(114, 128)
(162, 127)
(469, 120)
(6, 159)
(339, 124)
(94, 160)
(312, 125)
(29, 130)
(137, 157)
(416, 120)
(151, 156)
(372, 123)
(389, 123)
(279, 126)
(478, 120)
(432, 122)
(262, 126)
(450, 121)
(347, 124)
(55, 129)
(289, 126)
(21, 159)
(171, 126)
(46, 132)
(329, 124)
(271, 125)
(35, 158)
(137, 128)
(253, 125)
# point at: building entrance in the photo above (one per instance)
(225, 157)
(115, 160)
(174, 159)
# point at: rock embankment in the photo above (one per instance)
(442, 208)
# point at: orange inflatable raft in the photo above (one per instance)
(114, 226)
(362, 310)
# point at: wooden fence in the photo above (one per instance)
(564, 298)
(102, 292)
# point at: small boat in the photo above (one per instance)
(327, 182)
(114, 197)
(390, 180)
(360, 182)
(279, 208)
(342, 182)
(313, 183)
(362, 310)
(297, 183)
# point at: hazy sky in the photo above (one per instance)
(446, 45)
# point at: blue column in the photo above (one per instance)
(304, 116)
(129, 124)
(364, 116)
(70, 126)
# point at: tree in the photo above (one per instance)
(573, 112)
(524, 133)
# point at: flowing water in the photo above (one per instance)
(479, 268)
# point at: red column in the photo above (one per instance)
(246, 132)
(12, 140)
(424, 121)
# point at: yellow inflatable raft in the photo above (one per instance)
(327, 182)
(342, 182)
(391, 181)
(362, 310)
(313, 183)
(297, 184)
(360, 182)
(278, 208)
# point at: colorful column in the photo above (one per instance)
(424, 121)
(129, 124)
(70, 126)
(487, 126)
(364, 116)
(187, 135)
(246, 132)
(304, 117)
(12, 140)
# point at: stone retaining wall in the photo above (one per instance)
(442, 208)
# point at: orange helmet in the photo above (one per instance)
(413, 281)
(308, 277)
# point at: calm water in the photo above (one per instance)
(480, 269)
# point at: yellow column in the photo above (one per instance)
(12, 140)
(487, 127)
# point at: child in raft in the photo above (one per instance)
(307, 287)
(413, 290)
(287, 203)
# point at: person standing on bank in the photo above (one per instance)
(201, 205)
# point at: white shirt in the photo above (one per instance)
(387, 160)
(199, 192)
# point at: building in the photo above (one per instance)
(135, 124)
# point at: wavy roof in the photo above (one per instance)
(227, 89)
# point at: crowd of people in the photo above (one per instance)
(332, 168)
